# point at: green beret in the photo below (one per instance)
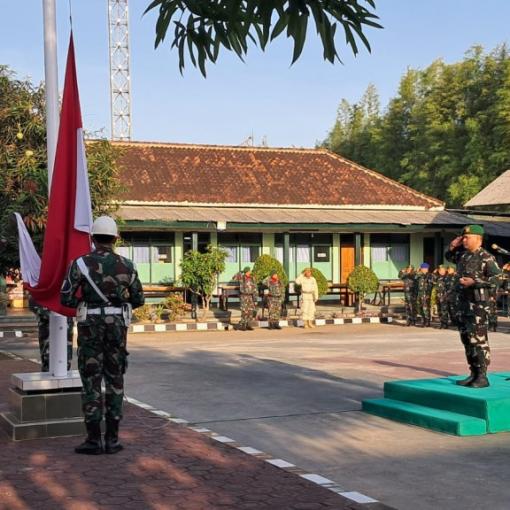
(247, 269)
(473, 230)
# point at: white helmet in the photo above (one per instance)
(104, 226)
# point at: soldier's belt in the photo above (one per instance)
(106, 310)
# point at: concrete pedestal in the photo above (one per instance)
(44, 406)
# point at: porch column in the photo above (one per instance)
(358, 255)
(179, 249)
(194, 241)
(267, 243)
(336, 258)
(286, 252)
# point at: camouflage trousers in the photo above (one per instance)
(102, 355)
(442, 309)
(247, 309)
(472, 322)
(493, 313)
(274, 308)
(43, 326)
(409, 304)
(423, 306)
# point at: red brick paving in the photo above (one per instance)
(164, 466)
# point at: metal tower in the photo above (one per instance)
(120, 83)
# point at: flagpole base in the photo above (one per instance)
(42, 405)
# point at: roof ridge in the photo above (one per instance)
(178, 145)
(383, 177)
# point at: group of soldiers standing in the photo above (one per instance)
(420, 285)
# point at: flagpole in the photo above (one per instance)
(58, 323)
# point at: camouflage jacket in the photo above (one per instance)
(248, 286)
(479, 265)
(408, 279)
(441, 284)
(114, 275)
(423, 283)
(275, 288)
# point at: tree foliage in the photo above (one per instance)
(202, 29)
(199, 272)
(362, 280)
(23, 165)
(265, 266)
(445, 133)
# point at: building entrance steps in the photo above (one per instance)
(442, 405)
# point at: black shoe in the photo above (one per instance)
(270, 325)
(92, 445)
(276, 326)
(249, 328)
(241, 327)
(111, 437)
(409, 323)
(467, 381)
(480, 381)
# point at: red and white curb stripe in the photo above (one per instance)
(278, 463)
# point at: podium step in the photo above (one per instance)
(427, 417)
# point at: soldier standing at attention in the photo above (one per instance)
(309, 295)
(104, 287)
(423, 289)
(451, 294)
(275, 296)
(477, 270)
(441, 297)
(249, 297)
(407, 276)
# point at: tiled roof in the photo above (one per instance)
(206, 174)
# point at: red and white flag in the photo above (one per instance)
(69, 221)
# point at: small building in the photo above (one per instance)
(306, 207)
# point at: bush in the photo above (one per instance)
(143, 313)
(175, 306)
(265, 266)
(322, 283)
(362, 280)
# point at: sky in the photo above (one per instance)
(263, 97)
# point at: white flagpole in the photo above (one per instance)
(58, 323)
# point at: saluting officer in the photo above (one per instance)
(104, 287)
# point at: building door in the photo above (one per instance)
(347, 256)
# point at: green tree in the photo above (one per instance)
(362, 280)
(199, 273)
(23, 165)
(204, 28)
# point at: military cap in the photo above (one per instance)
(473, 230)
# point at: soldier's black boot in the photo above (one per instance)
(92, 445)
(111, 437)
(409, 322)
(241, 327)
(270, 325)
(276, 325)
(468, 380)
(248, 328)
(480, 380)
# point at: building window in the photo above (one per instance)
(303, 253)
(161, 254)
(141, 254)
(249, 253)
(231, 253)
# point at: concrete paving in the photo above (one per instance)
(296, 394)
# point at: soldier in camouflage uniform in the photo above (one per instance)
(43, 325)
(477, 270)
(407, 276)
(275, 295)
(451, 294)
(423, 288)
(441, 283)
(493, 307)
(248, 296)
(103, 286)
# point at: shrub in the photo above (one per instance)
(175, 306)
(265, 266)
(143, 313)
(362, 280)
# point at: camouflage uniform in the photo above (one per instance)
(452, 297)
(423, 287)
(409, 295)
(275, 299)
(43, 326)
(441, 283)
(248, 296)
(493, 307)
(102, 337)
(473, 307)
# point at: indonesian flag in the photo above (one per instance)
(67, 235)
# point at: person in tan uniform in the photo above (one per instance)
(309, 295)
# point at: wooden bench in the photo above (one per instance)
(162, 291)
(386, 287)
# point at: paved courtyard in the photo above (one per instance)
(296, 395)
